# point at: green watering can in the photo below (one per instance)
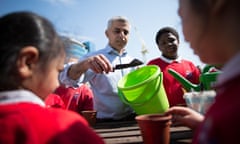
(207, 80)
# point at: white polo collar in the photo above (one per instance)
(171, 60)
(17, 96)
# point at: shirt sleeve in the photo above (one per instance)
(64, 79)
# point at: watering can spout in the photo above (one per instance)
(188, 86)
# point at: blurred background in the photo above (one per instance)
(86, 21)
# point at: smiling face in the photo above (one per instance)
(168, 45)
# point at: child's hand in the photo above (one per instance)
(185, 117)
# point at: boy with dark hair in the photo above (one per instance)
(167, 40)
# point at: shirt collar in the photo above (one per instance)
(170, 60)
(111, 50)
(17, 96)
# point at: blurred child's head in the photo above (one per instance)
(31, 53)
(76, 49)
(211, 28)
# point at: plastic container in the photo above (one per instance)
(200, 101)
(143, 90)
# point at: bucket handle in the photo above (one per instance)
(122, 97)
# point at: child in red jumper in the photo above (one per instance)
(212, 29)
(80, 97)
(31, 57)
(167, 40)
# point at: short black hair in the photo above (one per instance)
(166, 30)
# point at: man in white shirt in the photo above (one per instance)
(97, 69)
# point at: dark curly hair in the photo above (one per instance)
(166, 30)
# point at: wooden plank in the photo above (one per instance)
(129, 132)
(108, 125)
(105, 130)
(125, 140)
(121, 134)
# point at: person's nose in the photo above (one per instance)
(170, 43)
(122, 35)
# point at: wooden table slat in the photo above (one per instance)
(117, 134)
(104, 130)
(125, 140)
(129, 133)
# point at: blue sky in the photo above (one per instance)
(87, 20)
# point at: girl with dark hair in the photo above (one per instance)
(31, 57)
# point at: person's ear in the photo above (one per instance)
(159, 47)
(106, 33)
(27, 61)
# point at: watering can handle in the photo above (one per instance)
(185, 83)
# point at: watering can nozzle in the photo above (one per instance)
(206, 80)
(185, 83)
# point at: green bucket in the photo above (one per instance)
(143, 90)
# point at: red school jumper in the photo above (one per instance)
(76, 99)
(54, 100)
(222, 121)
(173, 88)
(28, 123)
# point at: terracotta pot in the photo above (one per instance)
(155, 128)
(90, 116)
